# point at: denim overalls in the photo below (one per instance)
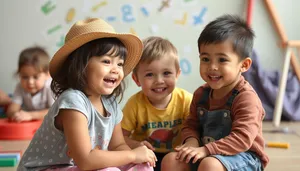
(215, 124)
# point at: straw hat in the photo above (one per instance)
(94, 28)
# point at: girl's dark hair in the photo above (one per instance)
(229, 27)
(73, 71)
(36, 57)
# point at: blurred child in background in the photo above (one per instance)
(32, 96)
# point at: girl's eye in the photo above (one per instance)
(204, 59)
(149, 75)
(106, 61)
(121, 64)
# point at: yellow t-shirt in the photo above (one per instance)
(161, 127)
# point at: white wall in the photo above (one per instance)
(24, 24)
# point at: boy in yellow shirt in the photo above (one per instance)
(153, 117)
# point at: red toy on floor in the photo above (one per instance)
(18, 130)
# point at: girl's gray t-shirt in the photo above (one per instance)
(48, 146)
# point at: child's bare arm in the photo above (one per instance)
(133, 143)
(117, 142)
(75, 128)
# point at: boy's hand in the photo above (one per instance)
(191, 142)
(21, 116)
(143, 155)
(186, 153)
(148, 145)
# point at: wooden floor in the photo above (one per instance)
(283, 159)
(280, 159)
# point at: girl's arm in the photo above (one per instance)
(117, 142)
(75, 128)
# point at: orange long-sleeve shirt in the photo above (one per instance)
(247, 114)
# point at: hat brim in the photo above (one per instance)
(132, 43)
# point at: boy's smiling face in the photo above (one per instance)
(157, 80)
(220, 65)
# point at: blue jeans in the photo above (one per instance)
(246, 161)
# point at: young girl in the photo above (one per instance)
(32, 97)
(82, 129)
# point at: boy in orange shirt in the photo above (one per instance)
(224, 128)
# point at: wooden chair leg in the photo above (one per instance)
(282, 86)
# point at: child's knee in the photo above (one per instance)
(169, 158)
(169, 161)
(210, 164)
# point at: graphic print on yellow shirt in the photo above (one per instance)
(163, 138)
(161, 127)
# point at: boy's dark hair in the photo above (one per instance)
(36, 57)
(229, 27)
(73, 71)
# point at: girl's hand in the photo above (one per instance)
(185, 153)
(144, 155)
(148, 145)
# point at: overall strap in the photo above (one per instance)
(231, 98)
(205, 96)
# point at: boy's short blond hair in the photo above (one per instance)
(155, 48)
